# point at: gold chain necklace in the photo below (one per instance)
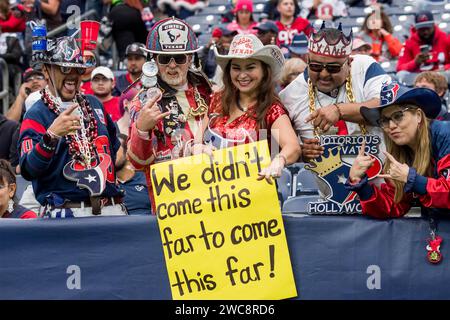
(348, 91)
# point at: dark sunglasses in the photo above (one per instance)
(37, 77)
(166, 58)
(396, 117)
(331, 68)
(68, 70)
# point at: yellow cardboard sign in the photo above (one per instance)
(221, 229)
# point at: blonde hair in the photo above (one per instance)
(438, 80)
(290, 66)
(420, 160)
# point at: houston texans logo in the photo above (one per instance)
(389, 93)
(422, 18)
(173, 37)
(94, 179)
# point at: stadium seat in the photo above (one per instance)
(21, 185)
(299, 204)
(284, 185)
(306, 183)
(215, 10)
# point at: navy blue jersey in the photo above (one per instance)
(137, 200)
(45, 170)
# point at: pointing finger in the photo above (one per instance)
(312, 116)
(363, 148)
(390, 157)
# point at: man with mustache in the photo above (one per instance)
(163, 126)
(136, 57)
(327, 97)
(68, 142)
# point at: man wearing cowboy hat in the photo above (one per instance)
(68, 143)
(165, 130)
(319, 98)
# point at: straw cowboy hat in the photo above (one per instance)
(248, 46)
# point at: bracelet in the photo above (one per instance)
(143, 134)
(283, 157)
(339, 110)
(52, 134)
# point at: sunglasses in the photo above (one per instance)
(331, 68)
(166, 58)
(35, 78)
(68, 70)
(396, 117)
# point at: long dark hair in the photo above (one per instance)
(266, 94)
(385, 22)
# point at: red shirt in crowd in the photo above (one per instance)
(439, 56)
(287, 32)
(86, 88)
(12, 24)
(112, 108)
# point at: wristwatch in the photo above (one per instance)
(49, 142)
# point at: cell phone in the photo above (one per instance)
(27, 91)
(425, 48)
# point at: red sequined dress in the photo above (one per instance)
(222, 133)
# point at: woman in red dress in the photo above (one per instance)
(247, 108)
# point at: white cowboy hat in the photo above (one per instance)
(248, 46)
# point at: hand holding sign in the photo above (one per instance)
(361, 164)
(150, 114)
(397, 171)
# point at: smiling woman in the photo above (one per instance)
(248, 109)
(418, 155)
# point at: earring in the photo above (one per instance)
(10, 205)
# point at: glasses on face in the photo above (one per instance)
(68, 70)
(330, 67)
(396, 117)
(166, 58)
(35, 78)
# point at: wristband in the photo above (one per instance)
(339, 110)
(283, 157)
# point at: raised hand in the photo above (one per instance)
(150, 115)
(397, 171)
(361, 164)
(66, 122)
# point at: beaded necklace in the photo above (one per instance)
(81, 143)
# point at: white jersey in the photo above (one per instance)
(367, 79)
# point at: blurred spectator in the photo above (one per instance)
(289, 25)
(243, 22)
(102, 86)
(425, 50)
(180, 8)
(359, 46)
(221, 38)
(136, 57)
(128, 26)
(136, 199)
(9, 208)
(50, 12)
(8, 139)
(33, 81)
(299, 47)
(377, 31)
(11, 52)
(267, 32)
(270, 10)
(438, 83)
(323, 9)
(124, 104)
(365, 3)
(11, 20)
(292, 69)
(90, 58)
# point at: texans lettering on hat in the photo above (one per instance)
(173, 36)
(243, 46)
(340, 49)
